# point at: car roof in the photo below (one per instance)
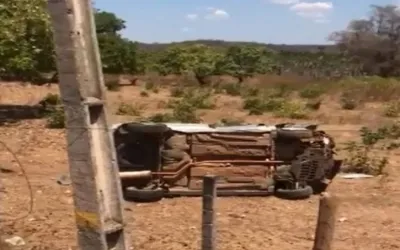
(207, 128)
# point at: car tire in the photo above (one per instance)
(145, 129)
(293, 134)
(294, 194)
(143, 195)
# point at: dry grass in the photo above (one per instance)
(369, 208)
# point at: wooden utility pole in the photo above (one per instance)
(208, 220)
(92, 159)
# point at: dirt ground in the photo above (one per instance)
(368, 216)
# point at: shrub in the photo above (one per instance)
(292, 110)
(144, 94)
(311, 91)
(363, 156)
(177, 92)
(185, 112)
(392, 110)
(56, 118)
(112, 85)
(231, 122)
(161, 117)
(348, 101)
(258, 106)
(255, 106)
(126, 109)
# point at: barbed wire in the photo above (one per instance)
(28, 183)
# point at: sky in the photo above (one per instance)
(266, 21)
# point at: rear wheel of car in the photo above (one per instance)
(143, 195)
(294, 194)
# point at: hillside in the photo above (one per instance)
(224, 44)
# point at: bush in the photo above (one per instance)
(258, 106)
(126, 109)
(348, 101)
(56, 118)
(232, 89)
(255, 106)
(366, 156)
(392, 110)
(185, 112)
(51, 100)
(161, 117)
(177, 92)
(112, 85)
(292, 110)
(311, 91)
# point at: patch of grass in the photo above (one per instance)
(371, 89)
(362, 157)
(279, 90)
(392, 109)
(161, 117)
(198, 98)
(311, 91)
(150, 85)
(259, 105)
(292, 110)
(127, 109)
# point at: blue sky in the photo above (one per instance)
(268, 21)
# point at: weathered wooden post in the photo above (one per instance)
(208, 221)
(91, 153)
(326, 222)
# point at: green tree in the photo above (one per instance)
(197, 59)
(118, 55)
(246, 61)
(108, 23)
(25, 39)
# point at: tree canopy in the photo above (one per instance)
(367, 46)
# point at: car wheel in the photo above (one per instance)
(143, 195)
(294, 194)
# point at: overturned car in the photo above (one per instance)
(159, 160)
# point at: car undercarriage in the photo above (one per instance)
(159, 160)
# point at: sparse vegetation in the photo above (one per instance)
(366, 156)
(127, 109)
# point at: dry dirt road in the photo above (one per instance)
(369, 210)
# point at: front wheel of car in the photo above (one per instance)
(294, 194)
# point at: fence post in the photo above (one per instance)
(208, 220)
(326, 222)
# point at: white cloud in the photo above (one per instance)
(316, 11)
(192, 16)
(285, 2)
(216, 14)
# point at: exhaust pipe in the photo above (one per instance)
(135, 174)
